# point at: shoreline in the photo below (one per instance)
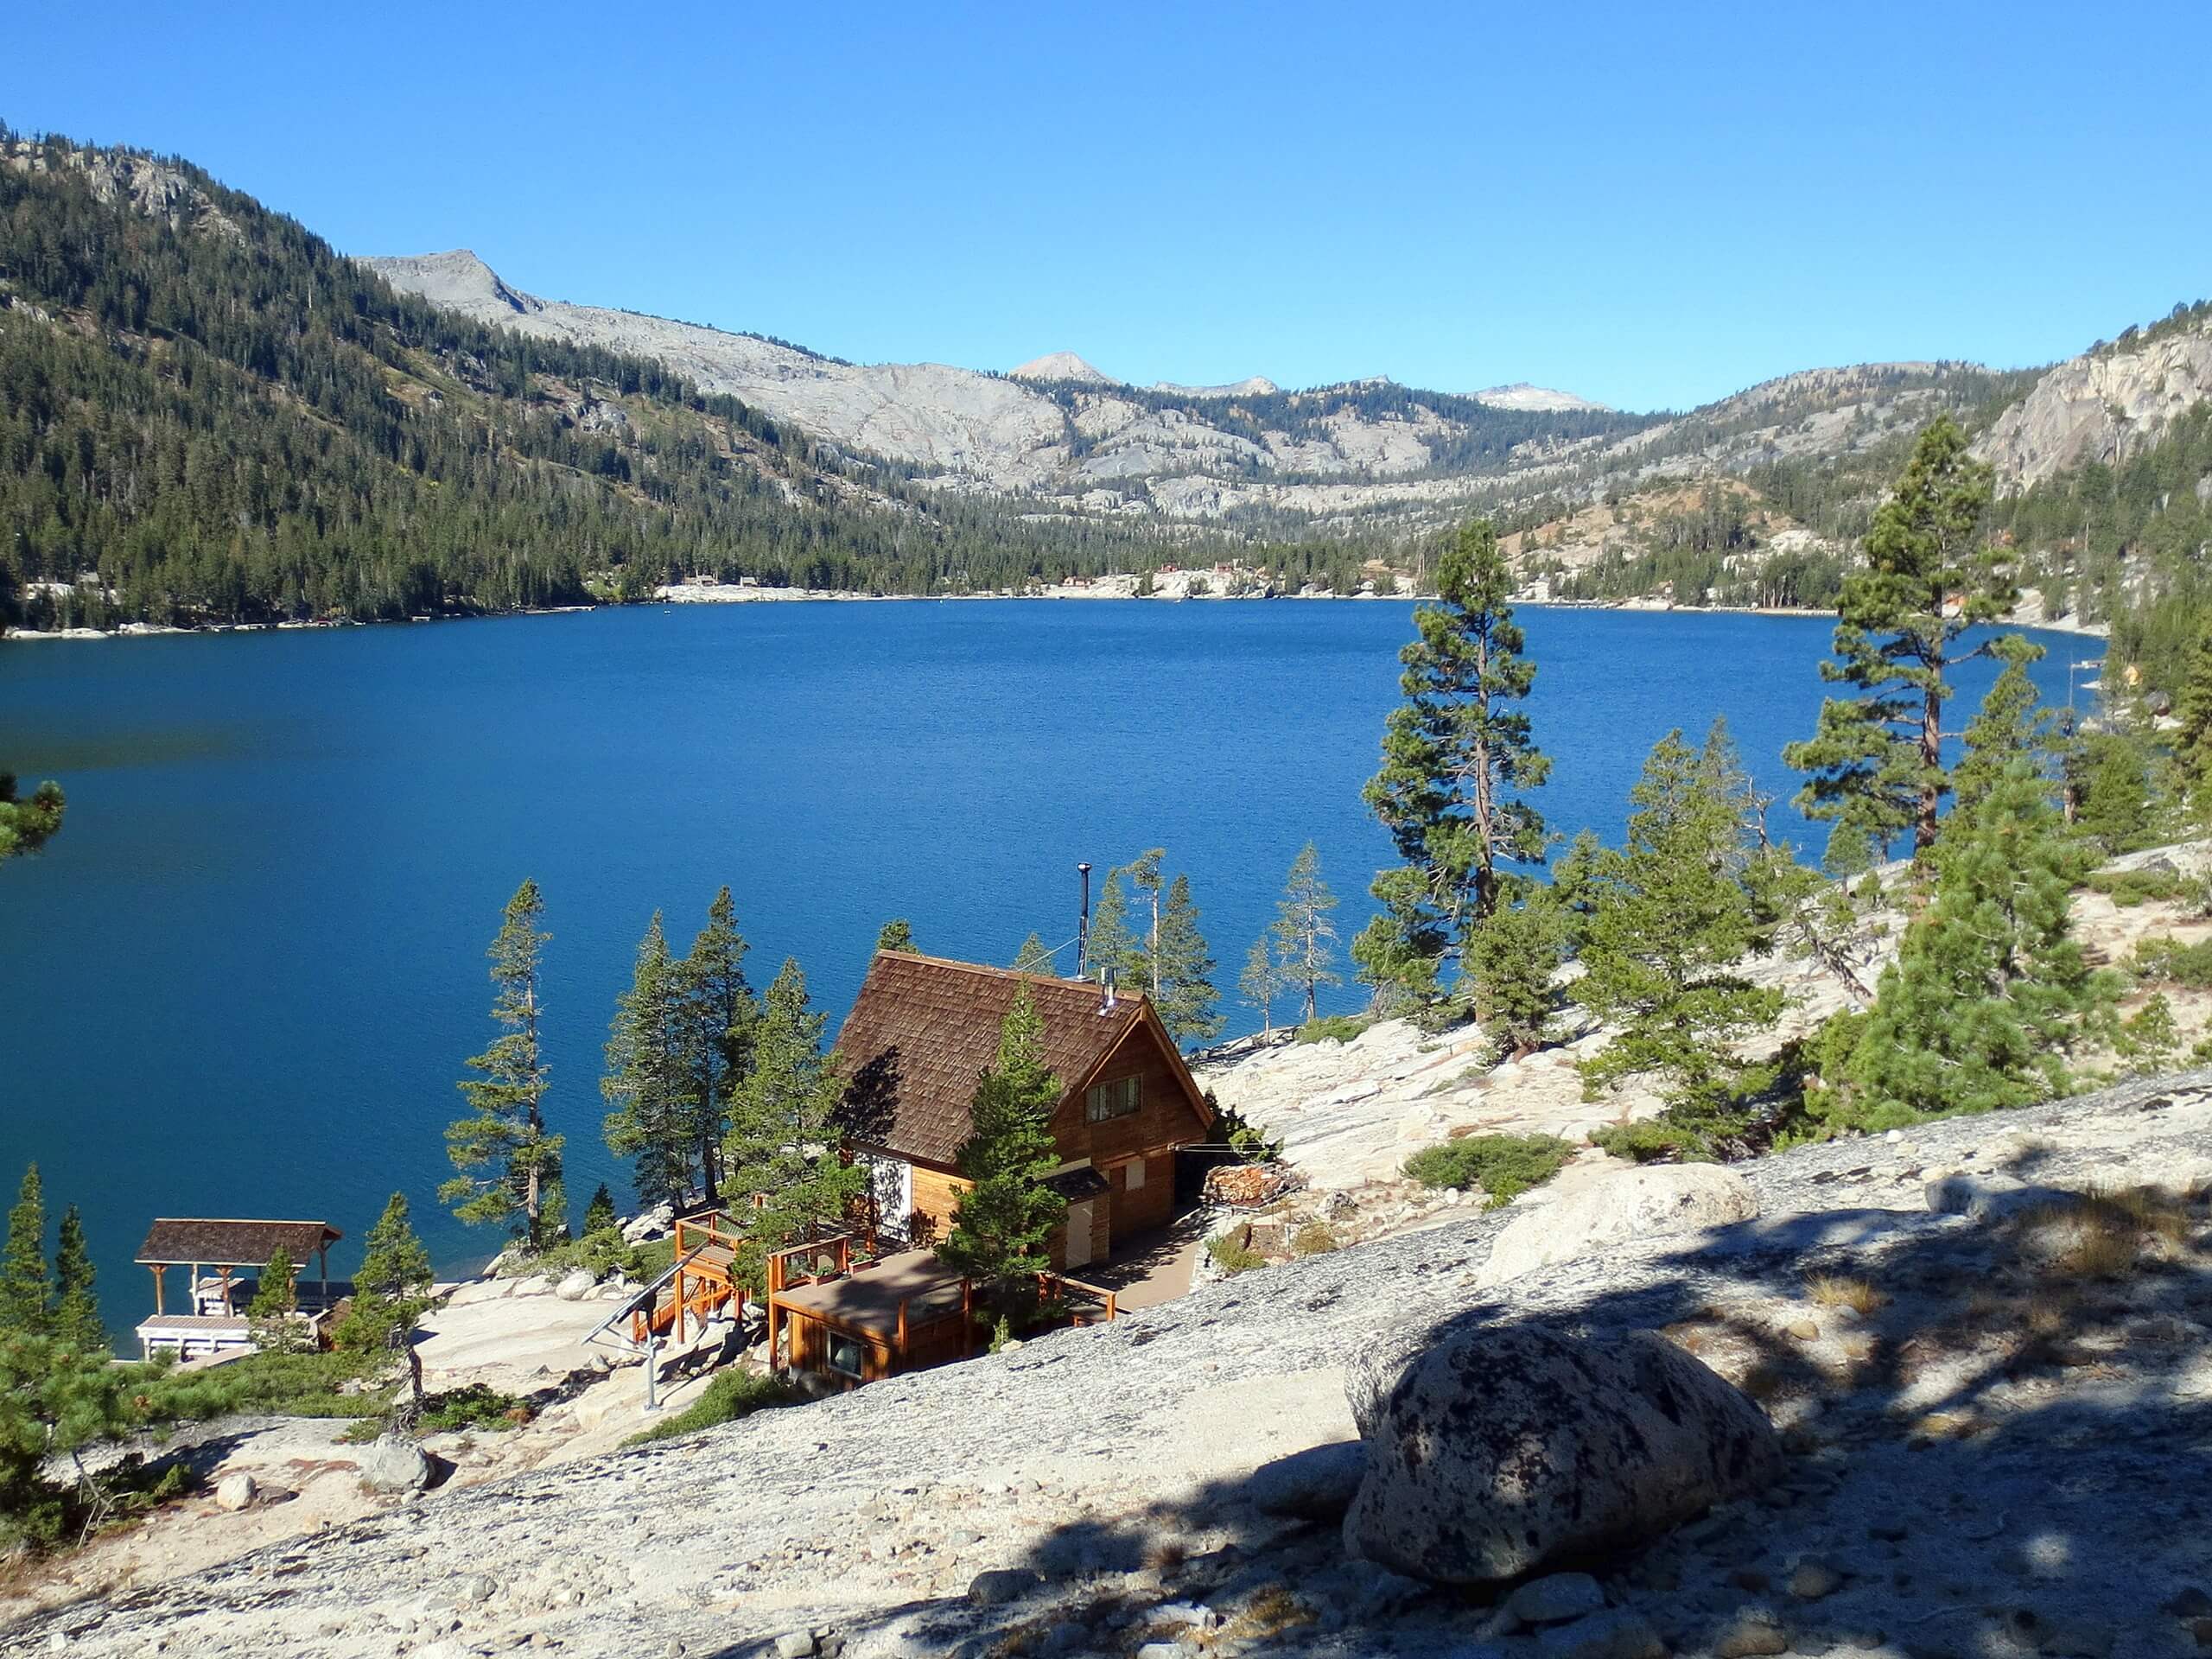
(732, 595)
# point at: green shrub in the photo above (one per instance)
(1315, 1238)
(270, 1385)
(1234, 1254)
(1335, 1028)
(473, 1407)
(728, 1397)
(2130, 887)
(1503, 1165)
(2165, 960)
(1652, 1141)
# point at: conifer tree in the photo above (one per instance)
(1110, 947)
(77, 1322)
(510, 1164)
(26, 826)
(1147, 877)
(2193, 741)
(784, 1142)
(393, 1285)
(270, 1314)
(1877, 759)
(1188, 1004)
(652, 1085)
(2011, 725)
(721, 1011)
(26, 1290)
(1670, 919)
(1002, 1227)
(1989, 986)
(1259, 982)
(898, 934)
(1033, 957)
(1456, 758)
(1305, 937)
(600, 1214)
(1514, 955)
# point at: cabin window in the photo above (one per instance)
(1111, 1100)
(844, 1354)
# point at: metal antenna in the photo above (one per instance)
(1083, 923)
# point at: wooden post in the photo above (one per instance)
(228, 1311)
(899, 1353)
(158, 1309)
(968, 1314)
(679, 1303)
(1110, 1310)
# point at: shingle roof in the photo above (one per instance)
(233, 1243)
(924, 1028)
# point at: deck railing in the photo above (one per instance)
(1086, 1304)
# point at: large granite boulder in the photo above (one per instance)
(1503, 1449)
(392, 1465)
(1631, 1203)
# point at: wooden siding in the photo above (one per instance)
(1152, 1204)
(936, 1343)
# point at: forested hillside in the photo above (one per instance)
(207, 414)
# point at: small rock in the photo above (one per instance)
(236, 1491)
(1162, 1651)
(1814, 1579)
(795, 1644)
(1804, 1330)
(1614, 1633)
(1316, 1484)
(392, 1465)
(1555, 1598)
(1749, 1634)
(577, 1285)
(1003, 1585)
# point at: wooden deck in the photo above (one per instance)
(703, 1283)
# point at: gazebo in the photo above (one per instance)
(213, 1252)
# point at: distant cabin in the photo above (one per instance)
(921, 1034)
(212, 1252)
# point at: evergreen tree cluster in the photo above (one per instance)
(1162, 953)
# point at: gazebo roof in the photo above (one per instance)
(183, 1241)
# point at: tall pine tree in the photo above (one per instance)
(1003, 1224)
(1305, 937)
(1260, 982)
(1990, 989)
(76, 1306)
(1110, 947)
(1033, 957)
(651, 1082)
(26, 1289)
(1188, 1004)
(510, 1164)
(1877, 760)
(722, 1011)
(1456, 758)
(2011, 725)
(783, 1146)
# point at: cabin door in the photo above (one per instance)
(1078, 1255)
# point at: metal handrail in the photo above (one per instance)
(643, 1301)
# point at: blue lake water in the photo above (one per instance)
(242, 981)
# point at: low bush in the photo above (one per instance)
(1335, 1028)
(270, 1385)
(2131, 887)
(1234, 1254)
(2164, 960)
(1648, 1140)
(1503, 1165)
(1315, 1238)
(728, 1397)
(473, 1407)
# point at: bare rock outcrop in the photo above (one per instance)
(2105, 405)
(1644, 1202)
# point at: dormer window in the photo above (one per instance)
(1108, 1101)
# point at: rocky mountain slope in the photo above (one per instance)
(1992, 1438)
(2108, 404)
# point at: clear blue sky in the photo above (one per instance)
(1648, 205)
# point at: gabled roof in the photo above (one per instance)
(924, 1028)
(182, 1241)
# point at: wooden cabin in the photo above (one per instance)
(921, 1034)
(212, 1252)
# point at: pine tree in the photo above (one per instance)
(897, 934)
(1109, 947)
(77, 1323)
(600, 1214)
(1456, 758)
(1003, 1224)
(652, 1081)
(26, 826)
(2115, 804)
(393, 1285)
(1188, 1004)
(1259, 982)
(721, 1011)
(511, 1167)
(1877, 760)
(2193, 741)
(1989, 988)
(1304, 935)
(26, 1291)
(1033, 957)
(1514, 955)
(784, 1146)
(1669, 920)
(1147, 877)
(271, 1314)
(53, 1401)
(2011, 725)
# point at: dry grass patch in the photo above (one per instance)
(1839, 1290)
(1270, 1613)
(2105, 1233)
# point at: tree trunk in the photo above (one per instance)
(1931, 760)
